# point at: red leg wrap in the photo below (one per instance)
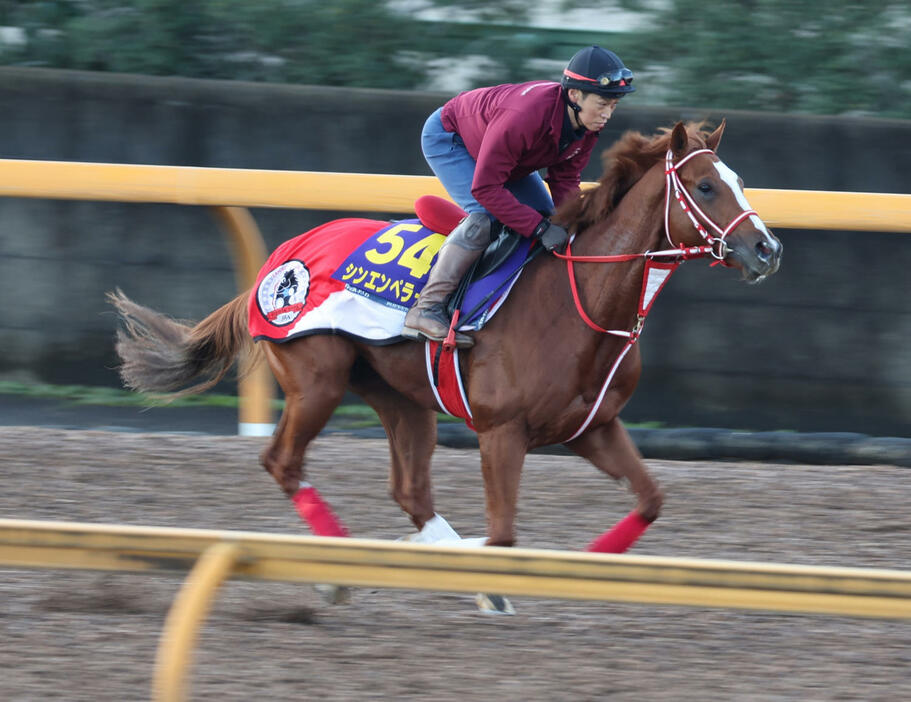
(623, 535)
(318, 515)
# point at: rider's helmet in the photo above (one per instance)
(597, 70)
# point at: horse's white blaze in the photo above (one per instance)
(733, 182)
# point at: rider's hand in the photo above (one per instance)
(552, 236)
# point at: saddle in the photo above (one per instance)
(442, 216)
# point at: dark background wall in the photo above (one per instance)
(821, 346)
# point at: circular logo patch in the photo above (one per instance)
(282, 294)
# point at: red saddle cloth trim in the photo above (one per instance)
(318, 252)
(444, 375)
(437, 214)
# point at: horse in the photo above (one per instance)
(556, 365)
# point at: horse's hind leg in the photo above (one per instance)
(611, 450)
(313, 373)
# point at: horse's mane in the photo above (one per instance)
(624, 164)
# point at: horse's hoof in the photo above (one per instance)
(494, 604)
(334, 594)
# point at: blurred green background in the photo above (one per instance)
(837, 58)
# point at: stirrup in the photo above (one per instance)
(417, 335)
(450, 340)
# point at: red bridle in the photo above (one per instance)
(715, 246)
(686, 201)
(656, 273)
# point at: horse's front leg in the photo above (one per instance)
(503, 452)
(610, 449)
(412, 433)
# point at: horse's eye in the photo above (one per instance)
(705, 187)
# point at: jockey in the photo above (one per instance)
(486, 146)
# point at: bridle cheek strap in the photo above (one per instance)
(689, 206)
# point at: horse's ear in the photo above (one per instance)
(679, 140)
(715, 137)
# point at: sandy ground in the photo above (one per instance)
(91, 636)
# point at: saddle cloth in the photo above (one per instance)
(358, 278)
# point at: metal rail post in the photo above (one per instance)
(255, 386)
(175, 649)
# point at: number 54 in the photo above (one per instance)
(417, 258)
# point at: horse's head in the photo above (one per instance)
(713, 208)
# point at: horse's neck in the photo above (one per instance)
(611, 290)
(635, 225)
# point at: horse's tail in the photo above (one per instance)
(160, 354)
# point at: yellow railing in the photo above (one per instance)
(790, 209)
(213, 556)
(231, 190)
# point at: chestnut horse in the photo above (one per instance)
(542, 371)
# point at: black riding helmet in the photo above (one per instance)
(597, 70)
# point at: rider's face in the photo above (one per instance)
(596, 110)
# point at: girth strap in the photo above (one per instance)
(445, 378)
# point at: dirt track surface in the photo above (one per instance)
(91, 636)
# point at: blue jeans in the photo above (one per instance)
(453, 165)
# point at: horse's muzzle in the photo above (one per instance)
(757, 256)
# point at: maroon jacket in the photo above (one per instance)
(512, 131)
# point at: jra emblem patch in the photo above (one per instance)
(282, 293)
(393, 264)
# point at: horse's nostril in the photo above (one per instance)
(763, 250)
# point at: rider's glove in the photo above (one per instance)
(552, 236)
